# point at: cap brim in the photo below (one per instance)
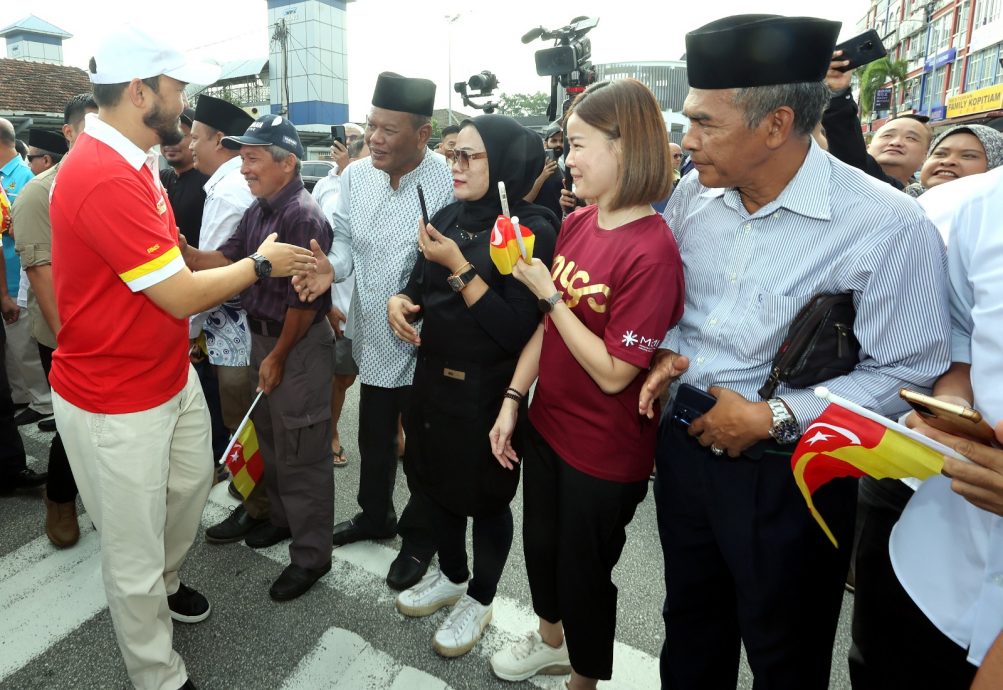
(234, 143)
(196, 72)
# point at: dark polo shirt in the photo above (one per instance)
(187, 197)
(296, 217)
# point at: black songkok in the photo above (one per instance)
(759, 50)
(52, 142)
(222, 115)
(405, 95)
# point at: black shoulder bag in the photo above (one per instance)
(819, 345)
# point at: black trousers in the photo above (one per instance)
(492, 540)
(61, 487)
(12, 458)
(210, 389)
(894, 643)
(574, 530)
(379, 410)
(745, 562)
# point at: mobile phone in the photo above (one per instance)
(862, 49)
(552, 154)
(338, 133)
(949, 417)
(424, 209)
(691, 402)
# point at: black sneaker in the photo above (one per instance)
(188, 606)
(233, 528)
(28, 416)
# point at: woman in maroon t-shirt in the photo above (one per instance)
(615, 289)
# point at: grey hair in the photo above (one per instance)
(808, 100)
(279, 154)
(419, 121)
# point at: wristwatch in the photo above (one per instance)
(785, 429)
(547, 305)
(262, 266)
(458, 281)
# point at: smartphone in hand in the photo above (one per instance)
(949, 417)
(860, 50)
(689, 403)
(424, 209)
(338, 133)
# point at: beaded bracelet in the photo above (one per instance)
(512, 396)
(515, 392)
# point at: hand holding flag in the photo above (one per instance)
(847, 440)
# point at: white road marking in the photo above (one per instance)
(69, 583)
(369, 561)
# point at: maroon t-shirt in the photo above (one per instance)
(626, 286)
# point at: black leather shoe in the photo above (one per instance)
(233, 528)
(349, 531)
(405, 572)
(28, 416)
(48, 425)
(267, 535)
(25, 479)
(295, 581)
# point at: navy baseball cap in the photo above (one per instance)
(269, 130)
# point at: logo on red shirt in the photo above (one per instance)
(629, 338)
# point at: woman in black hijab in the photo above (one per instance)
(475, 321)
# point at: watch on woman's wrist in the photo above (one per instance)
(547, 304)
(459, 280)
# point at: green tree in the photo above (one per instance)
(523, 104)
(875, 76)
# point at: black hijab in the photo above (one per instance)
(516, 157)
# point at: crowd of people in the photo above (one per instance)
(653, 269)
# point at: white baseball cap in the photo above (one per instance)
(130, 53)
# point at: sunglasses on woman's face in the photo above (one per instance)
(462, 158)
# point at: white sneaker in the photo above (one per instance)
(434, 591)
(462, 628)
(531, 656)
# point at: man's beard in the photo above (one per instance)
(168, 129)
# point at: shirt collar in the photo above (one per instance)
(221, 172)
(282, 197)
(111, 137)
(12, 165)
(807, 193)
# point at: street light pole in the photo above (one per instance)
(450, 20)
(929, 32)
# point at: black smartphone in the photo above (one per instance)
(338, 133)
(691, 402)
(862, 49)
(424, 209)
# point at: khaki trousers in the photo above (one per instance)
(144, 478)
(24, 368)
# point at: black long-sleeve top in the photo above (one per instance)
(499, 324)
(846, 141)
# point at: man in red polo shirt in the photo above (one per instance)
(127, 402)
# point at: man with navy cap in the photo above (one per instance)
(770, 221)
(375, 230)
(128, 405)
(223, 332)
(292, 353)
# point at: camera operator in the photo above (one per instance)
(547, 188)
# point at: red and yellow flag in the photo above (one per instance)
(5, 214)
(842, 443)
(505, 250)
(244, 460)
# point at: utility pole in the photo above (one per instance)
(282, 36)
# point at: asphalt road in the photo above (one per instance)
(55, 630)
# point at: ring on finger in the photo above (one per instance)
(717, 451)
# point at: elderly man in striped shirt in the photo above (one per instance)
(769, 221)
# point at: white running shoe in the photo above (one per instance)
(434, 591)
(531, 656)
(462, 628)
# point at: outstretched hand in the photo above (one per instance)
(311, 284)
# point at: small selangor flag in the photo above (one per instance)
(842, 443)
(505, 251)
(5, 214)
(244, 460)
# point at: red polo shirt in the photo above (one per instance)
(113, 235)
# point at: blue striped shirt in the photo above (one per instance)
(832, 229)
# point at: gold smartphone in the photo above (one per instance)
(949, 417)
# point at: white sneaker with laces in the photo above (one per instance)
(531, 656)
(434, 591)
(462, 628)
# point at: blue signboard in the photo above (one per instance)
(942, 58)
